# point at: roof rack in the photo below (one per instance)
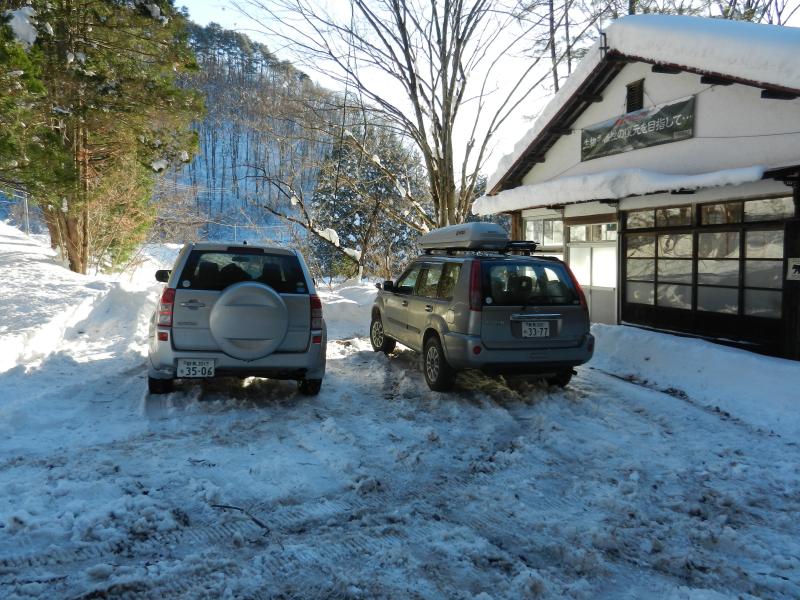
(523, 246)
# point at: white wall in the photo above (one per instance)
(727, 111)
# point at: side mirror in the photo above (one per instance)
(162, 275)
(388, 286)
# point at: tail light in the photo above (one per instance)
(316, 312)
(578, 287)
(475, 292)
(165, 307)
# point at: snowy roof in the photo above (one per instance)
(749, 53)
(608, 185)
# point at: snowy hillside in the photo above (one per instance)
(629, 484)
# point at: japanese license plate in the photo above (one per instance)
(195, 367)
(533, 329)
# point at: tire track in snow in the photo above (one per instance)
(345, 527)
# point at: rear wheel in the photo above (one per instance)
(439, 375)
(159, 386)
(378, 338)
(561, 379)
(309, 387)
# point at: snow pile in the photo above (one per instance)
(21, 24)
(758, 389)
(348, 308)
(607, 185)
(40, 299)
(750, 51)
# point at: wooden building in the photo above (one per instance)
(666, 172)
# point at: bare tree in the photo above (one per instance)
(428, 65)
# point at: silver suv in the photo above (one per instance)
(237, 311)
(469, 303)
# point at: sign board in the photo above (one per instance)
(660, 124)
(793, 271)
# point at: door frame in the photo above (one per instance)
(588, 288)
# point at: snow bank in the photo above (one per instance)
(758, 389)
(347, 308)
(607, 185)
(751, 51)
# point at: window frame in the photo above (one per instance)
(557, 247)
(696, 228)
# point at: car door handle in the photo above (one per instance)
(404, 303)
(193, 304)
(428, 308)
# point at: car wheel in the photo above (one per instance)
(561, 379)
(439, 375)
(159, 386)
(378, 338)
(309, 387)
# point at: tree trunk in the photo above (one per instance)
(553, 57)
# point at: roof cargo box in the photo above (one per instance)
(469, 236)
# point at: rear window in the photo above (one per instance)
(524, 284)
(207, 270)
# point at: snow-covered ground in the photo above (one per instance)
(645, 479)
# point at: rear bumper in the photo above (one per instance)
(310, 364)
(458, 349)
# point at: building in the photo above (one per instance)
(666, 172)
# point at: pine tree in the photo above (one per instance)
(112, 107)
(354, 193)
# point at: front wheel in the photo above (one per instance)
(378, 338)
(309, 387)
(439, 375)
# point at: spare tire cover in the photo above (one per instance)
(249, 320)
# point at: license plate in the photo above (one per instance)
(194, 367)
(535, 329)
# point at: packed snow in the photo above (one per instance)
(643, 479)
(750, 51)
(608, 185)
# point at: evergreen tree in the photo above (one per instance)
(353, 197)
(112, 108)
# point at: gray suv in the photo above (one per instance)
(466, 304)
(237, 311)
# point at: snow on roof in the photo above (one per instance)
(749, 51)
(608, 185)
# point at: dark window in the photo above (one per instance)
(676, 215)
(214, 270)
(635, 96)
(407, 281)
(449, 279)
(770, 209)
(527, 284)
(429, 281)
(728, 260)
(640, 219)
(721, 214)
